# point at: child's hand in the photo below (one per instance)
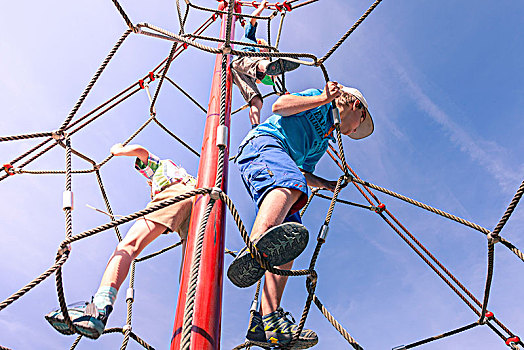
(331, 91)
(329, 185)
(116, 149)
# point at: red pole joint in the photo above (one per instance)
(141, 83)
(152, 76)
(9, 169)
(489, 315)
(514, 340)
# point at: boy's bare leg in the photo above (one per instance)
(139, 236)
(273, 290)
(272, 212)
(254, 110)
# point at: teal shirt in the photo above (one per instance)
(304, 135)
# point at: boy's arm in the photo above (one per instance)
(131, 150)
(258, 11)
(316, 181)
(291, 104)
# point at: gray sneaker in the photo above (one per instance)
(279, 245)
(280, 66)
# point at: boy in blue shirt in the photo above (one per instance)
(276, 161)
(247, 70)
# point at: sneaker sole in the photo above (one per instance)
(59, 325)
(88, 331)
(56, 320)
(280, 245)
(298, 345)
(275, 68)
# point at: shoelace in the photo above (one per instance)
(284, 315)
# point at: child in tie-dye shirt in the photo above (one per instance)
(167, 180)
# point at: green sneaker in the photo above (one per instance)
(280, 330)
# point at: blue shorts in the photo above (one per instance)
(265, 165)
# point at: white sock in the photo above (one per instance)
(105, 296)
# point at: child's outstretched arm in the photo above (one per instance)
(130, 150)
(291, 104)
(258, 11)
(319, 182)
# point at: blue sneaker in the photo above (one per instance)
(255, 332)
(279, 245)
(87, 318)
(279, 330)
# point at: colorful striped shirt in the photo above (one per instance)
(161, 173)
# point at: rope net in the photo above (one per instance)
(63, 137)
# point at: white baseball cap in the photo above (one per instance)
(366, 128)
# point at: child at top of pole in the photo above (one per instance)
(167, 180)
(247, 70)
(276, 162)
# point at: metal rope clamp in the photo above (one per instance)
(58, 135)
(215, 193)
(9, 169)
(380, 208)
(222, 135)
(487, 316)
(336, 116)
(493, 239)
(67, 200)
(322, 235)
(64, 250)
(130, 294)
(126, 328)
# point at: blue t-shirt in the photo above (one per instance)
(249, 37)
(304, 135)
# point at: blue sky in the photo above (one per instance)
(444, 84)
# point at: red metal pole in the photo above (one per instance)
(205, 332)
